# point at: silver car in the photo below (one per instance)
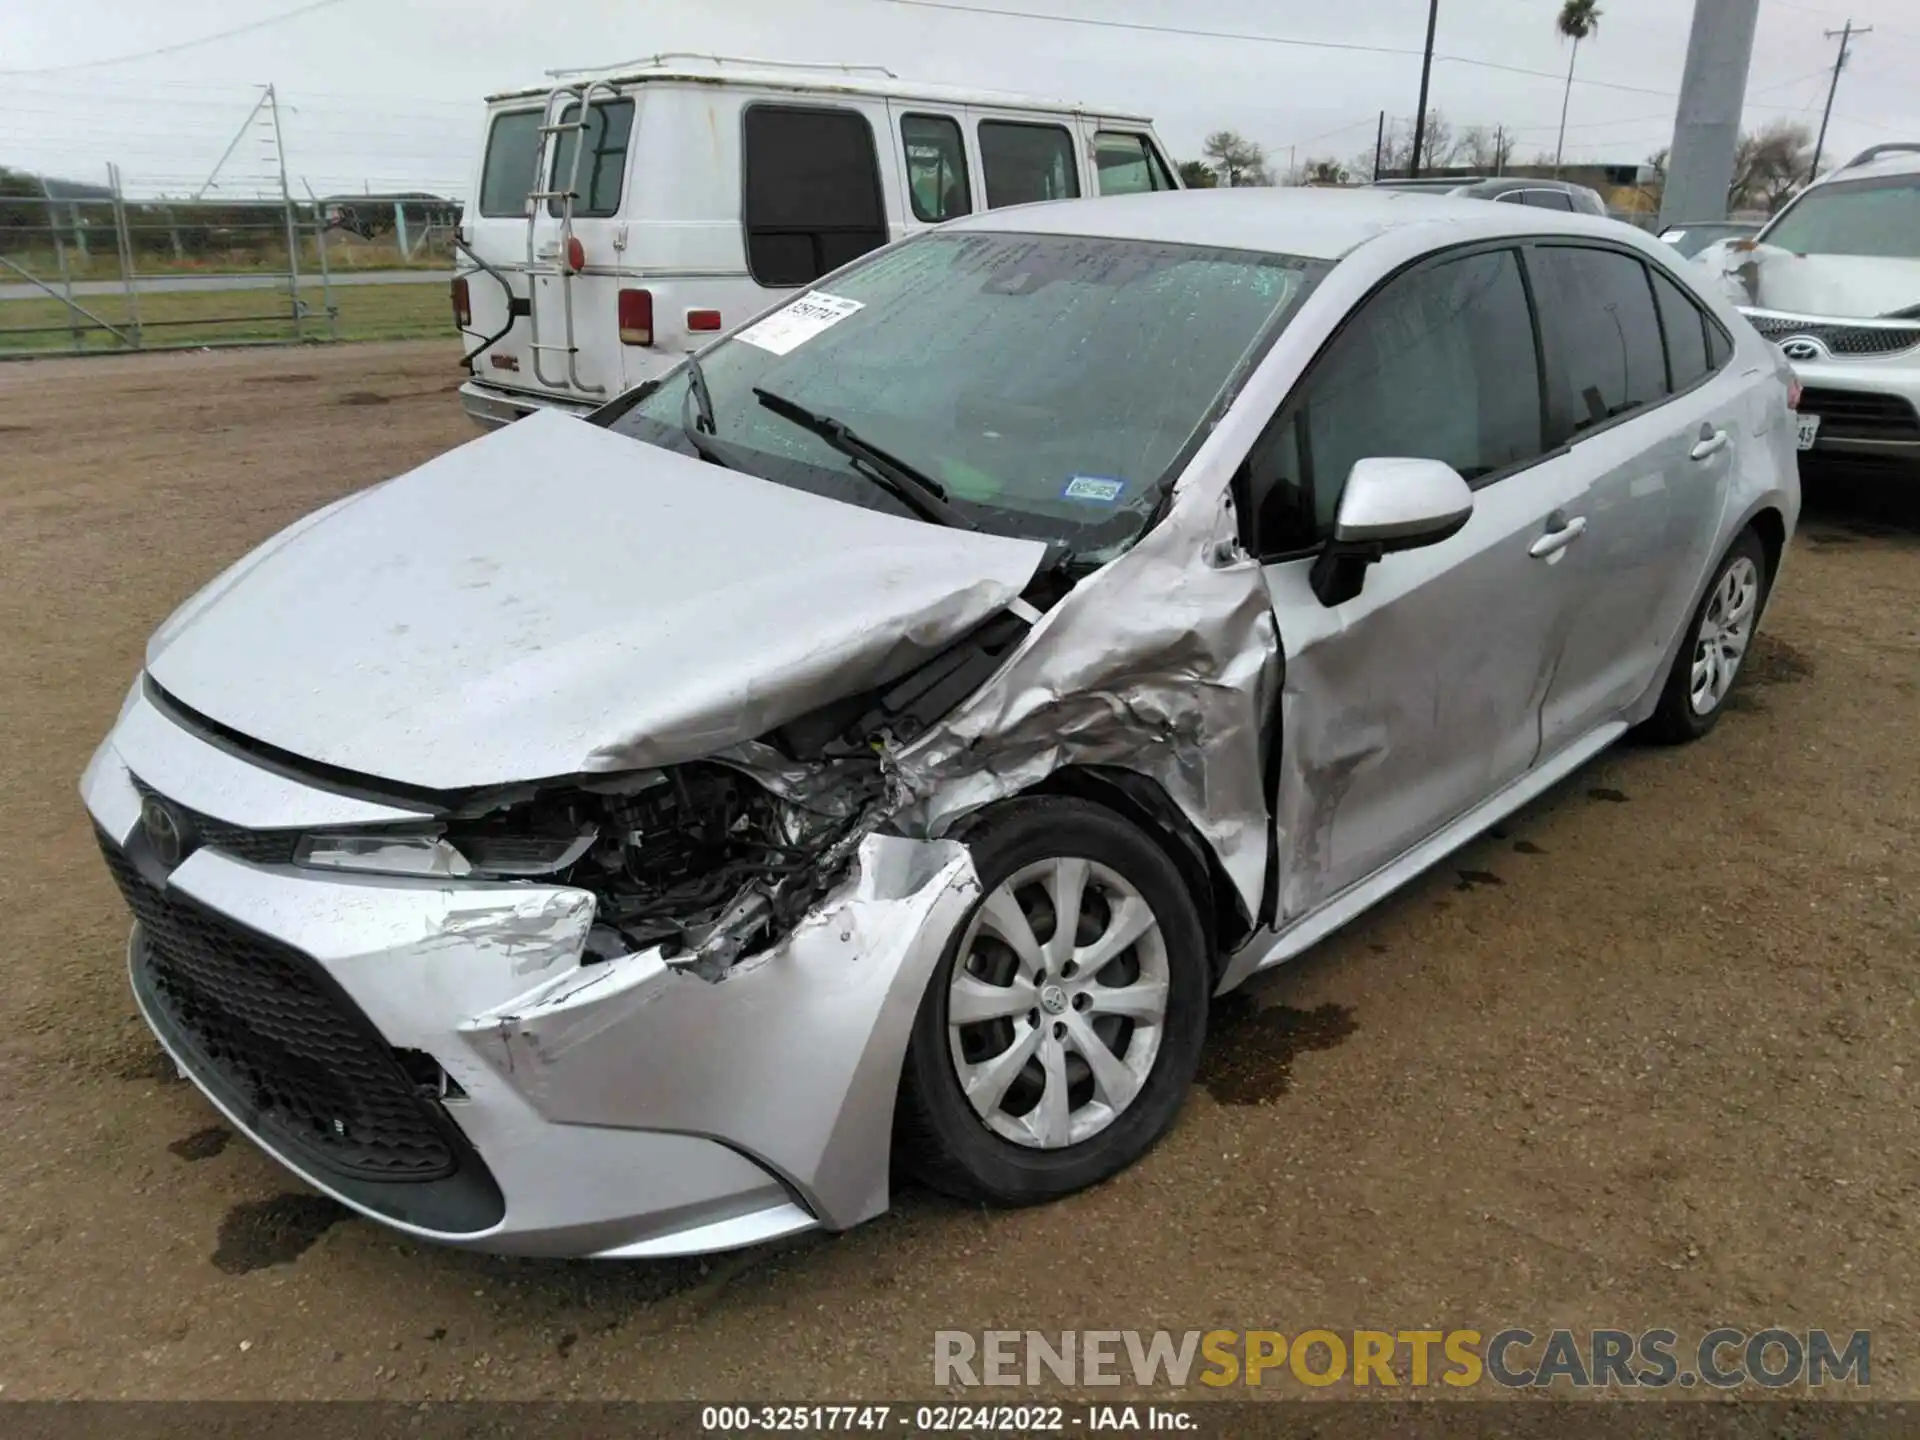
(870, 749)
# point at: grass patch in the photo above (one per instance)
(361, 312)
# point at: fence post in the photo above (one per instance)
(400, 230)
(326, 274)
(60, 259)
(123, 241)
(286, 205)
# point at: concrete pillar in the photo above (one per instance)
(1706, 129)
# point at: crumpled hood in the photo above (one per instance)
(1843, 286)
(555, 598)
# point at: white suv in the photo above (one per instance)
(1834, 281)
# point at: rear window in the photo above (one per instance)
(1685, 329)
(603, 165)
(1854, 217)
(1549, 199)
(937, 185)
(1024, 163)
(513, 146)
(812, 199)
(1128, 164)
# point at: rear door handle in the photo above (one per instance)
(1554, 541)
(1710, 445)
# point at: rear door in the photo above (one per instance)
(1640, 398)
(1411, 703)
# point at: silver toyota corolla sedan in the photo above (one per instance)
(870, 749)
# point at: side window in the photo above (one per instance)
(603, 165)
(1128, 164)
(1686, 331)
(937, 185)
(1440, 364)
(1719, 345)
(1512, 197)
(513, 151)
(812, 192)
(1026, 162)
(1549, 200)
(1597, 310)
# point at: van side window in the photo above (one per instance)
(603, 165)
(1441, 364)
(1603, 335)
(937, 185)
(513, 151)
(1685, 329)
(1026, 162)
(1128, 164)
(812, 192)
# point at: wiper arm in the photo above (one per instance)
(899, 479)
(696, 417)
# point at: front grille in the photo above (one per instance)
(279, 1037)
(1842, 340)
(1850, 414)
(261, 847)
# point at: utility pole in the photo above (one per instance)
(1706, 127)
(1845, 35)
(1499, 150)
(1379, 143)
(1426, 71)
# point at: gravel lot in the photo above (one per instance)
(1644, 1057)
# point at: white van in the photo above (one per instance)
(708, 189)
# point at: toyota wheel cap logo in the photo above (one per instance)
(1803, 347)
(163, 831)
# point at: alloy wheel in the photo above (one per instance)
(1726, 628)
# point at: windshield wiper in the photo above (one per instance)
(698, 423)
(913, 487)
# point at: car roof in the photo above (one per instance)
(865, 80)
(1318, 223)
(1896, 158)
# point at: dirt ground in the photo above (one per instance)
(1643, 1057)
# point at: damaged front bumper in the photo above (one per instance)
(445, 1056)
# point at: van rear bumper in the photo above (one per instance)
(491, 407)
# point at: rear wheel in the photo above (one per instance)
(1062, 1027)
(1718, 638)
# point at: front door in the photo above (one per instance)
(1409, 704)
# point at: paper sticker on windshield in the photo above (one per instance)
(1097, 488)
(788, 329)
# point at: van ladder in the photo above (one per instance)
(579, 96)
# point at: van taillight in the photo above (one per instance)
(703, 319)
(636, 317)
(462, 305)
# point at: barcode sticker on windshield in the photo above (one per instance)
(1097, 488)
(787, 329)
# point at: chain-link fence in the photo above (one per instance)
(83, 269)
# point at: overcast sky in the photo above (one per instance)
(385, 93)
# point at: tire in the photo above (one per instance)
(1029, 1147)
(1686, 711)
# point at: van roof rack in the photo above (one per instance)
(1891, 147)
(649, 62)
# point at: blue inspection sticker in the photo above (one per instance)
(1097, 488)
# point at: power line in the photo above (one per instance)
(179, 45)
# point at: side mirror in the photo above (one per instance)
(1388, 504)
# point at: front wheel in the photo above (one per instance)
(1718, 638)
(1063, 1024)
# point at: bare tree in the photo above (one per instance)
(1236, 159)
(1578, 19)
(1769, 165)
(1486, 147)
(1197, 175)
(1325, 171)
(1440, 147)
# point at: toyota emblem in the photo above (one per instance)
(164, 831)
(1803, 347)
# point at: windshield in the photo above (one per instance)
(1880, 218)
(1049, 384)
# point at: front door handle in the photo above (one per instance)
(1556, 540)
(1709, 445)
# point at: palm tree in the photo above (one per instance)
(1578, 19)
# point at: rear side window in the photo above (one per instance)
(1024, 163)
(1128, 164)
(1549, 200)
(937, 185)
(603, 164)
(1597, 310)
(1686, 331)
(812, 200)
(1441, 364)
(513, 150)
